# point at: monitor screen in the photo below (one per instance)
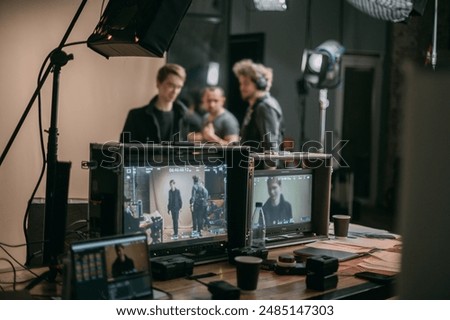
(111, 268)
(287, 199)
(173, 202)
(183, 197)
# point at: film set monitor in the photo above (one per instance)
(180, 197)
(97, 271)
(290, 199)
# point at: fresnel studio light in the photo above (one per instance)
(321, 69)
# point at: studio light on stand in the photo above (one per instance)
(321, 69)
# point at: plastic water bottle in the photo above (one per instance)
(258, 230)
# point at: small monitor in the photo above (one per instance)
(287, 196)
(111, 268)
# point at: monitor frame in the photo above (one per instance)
(320, 165)
(106, 192)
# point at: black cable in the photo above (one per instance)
(77, 222)
(18, 245)
(81, 231)
(81, 235)
(14, 273)
(2, 244)
(101, 8)
(18, 282)
(31, 280)
(17, 262)
(44, 161)
(75, 43)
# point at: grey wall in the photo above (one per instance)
(285, 42)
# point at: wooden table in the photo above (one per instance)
(270, 285)
(281, 287)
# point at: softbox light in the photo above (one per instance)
(390, 10)
(137, 27)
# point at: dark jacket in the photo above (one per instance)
(142, 126)
(280, 214)
(120, 268)
(199, 196)
(175, 202)
(263, 118)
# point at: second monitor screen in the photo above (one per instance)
(286, 197)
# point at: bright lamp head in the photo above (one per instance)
(321, 66)
(316, 61)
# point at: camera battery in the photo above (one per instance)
(322, 265)
(171, 267)
(222, 290)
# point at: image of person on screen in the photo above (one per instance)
(123, 264)
(199, 205)
(131, 223)
(173, 207)
(276, 209)
(165, 117)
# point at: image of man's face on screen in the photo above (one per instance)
(274, 189)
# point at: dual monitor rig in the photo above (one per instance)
(129, 190)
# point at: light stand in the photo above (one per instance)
(57, 172)
(323, 104)
(57, 176)
(321, 69)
